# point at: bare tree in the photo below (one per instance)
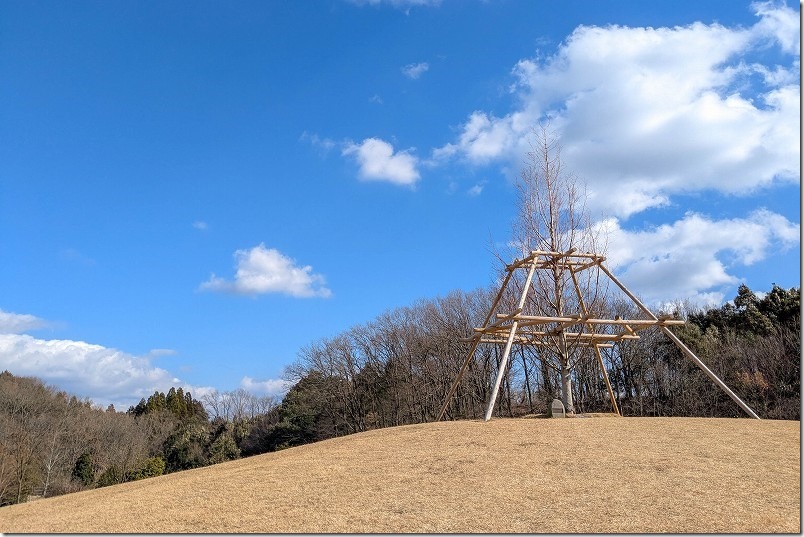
(552, 217)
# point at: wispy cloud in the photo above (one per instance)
(415, 70)
(262, 270)
(200, 225)
(71, 255)
(324, 144)
(476, 190)
(378, 162)
(399, 4)
(780, 24)
(17, 323)
(158, 353)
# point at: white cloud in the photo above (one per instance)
(261, 270)
(378, 162)
(694, 258)
(16, 323)
(647, 113)
(99, 373)
(415, 70)
(200, 225)
(485, 138)
(779, 23)
(276, 387)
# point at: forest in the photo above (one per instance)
(396, 370)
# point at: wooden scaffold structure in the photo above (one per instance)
(579, 328)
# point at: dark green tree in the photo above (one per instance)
(186, 447)
(153, 467)
(750, 319)
(156, 403)
(223, 448)
(84, 471)
(111, 476)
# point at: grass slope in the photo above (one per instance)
(601, 474)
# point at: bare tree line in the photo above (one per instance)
(52, 443)
(397, 368)
(44, 432)
(236, 405)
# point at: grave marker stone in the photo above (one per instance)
(557, 408)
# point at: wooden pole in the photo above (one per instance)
(508, 343)
(597, 347)
(710, 374)
(474, 347)
(501, 371)
(569, 321)
(683, 347)
(606, 379)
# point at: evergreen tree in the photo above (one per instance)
(83, 470)
(153, 467)
(111, 476)
(224, 448)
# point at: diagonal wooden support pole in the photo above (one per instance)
(508, 343)
(606, 380)
(585, 311)
(709, 373)
(474, 346)
(687, 352)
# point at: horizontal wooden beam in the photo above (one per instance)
(538, 343)
(545, 319)
(571, 253)
(570, 335)
(580, 319)
(544, 259)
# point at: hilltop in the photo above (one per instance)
(599, 474)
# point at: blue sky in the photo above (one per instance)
(190, 192)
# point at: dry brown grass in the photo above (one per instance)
(602, 474)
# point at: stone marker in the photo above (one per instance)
(558, 409)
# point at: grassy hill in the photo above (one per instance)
(599, 474)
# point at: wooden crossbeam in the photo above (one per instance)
(579, 260)
(576, 337)
(541, 343)
(578, 319)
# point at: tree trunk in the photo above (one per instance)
(527, 381)
(566, 376)
(566, 389)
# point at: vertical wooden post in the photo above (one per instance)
(683, 347)
(509, 342)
